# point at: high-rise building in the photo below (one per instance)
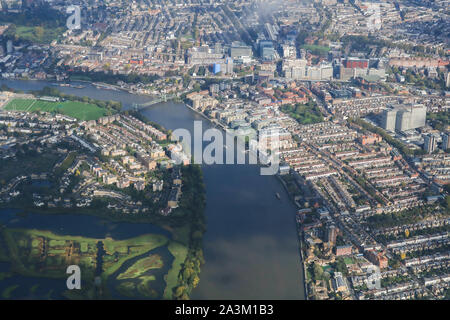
(266, 50)
(326, 71)
(9, 47)
(203, 56)
(418, 116)
(353, 67)
(240, 50)
(268, 53)
(403, 118)
(446, 141)
(299, 70)
(353, 63)
(289, 51)
(228, 65)
(429, 143)
(218, 48)
(216, 68)
(388, 119)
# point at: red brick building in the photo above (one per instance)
(353, 63)
(344, 250)
(377, 258)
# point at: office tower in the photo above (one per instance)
(240, 50)
(429, 143)
(266, 50)
(216, 68)
(326, 71)
(228, 65)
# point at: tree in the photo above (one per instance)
(340, 266)
(318, 271)
(184, 296)
(39, 32)
(179, 291)
(187, 273)
(195, 280)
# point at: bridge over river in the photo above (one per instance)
(161, 98)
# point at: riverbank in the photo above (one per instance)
(186, 223)
(300, 238)
(298, 227)
(250, 250)
(41, 247)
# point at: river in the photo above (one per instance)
(250, 247)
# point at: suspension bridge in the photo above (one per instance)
(161, 98)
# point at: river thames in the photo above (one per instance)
(250, 247)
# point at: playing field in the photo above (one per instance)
(75, 109)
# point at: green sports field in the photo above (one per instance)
(75, 109)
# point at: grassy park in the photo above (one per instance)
(179, 251)
(37, 34)
(117, 252)
(79, 110)
(304, 113)
(153, 261)
(38, 253)
(316, 49)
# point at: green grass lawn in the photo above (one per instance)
(179, 252)
(316, 49)
(133, 248)
(38, 34)
(79, 110)
(348, 260)
(141, 266)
